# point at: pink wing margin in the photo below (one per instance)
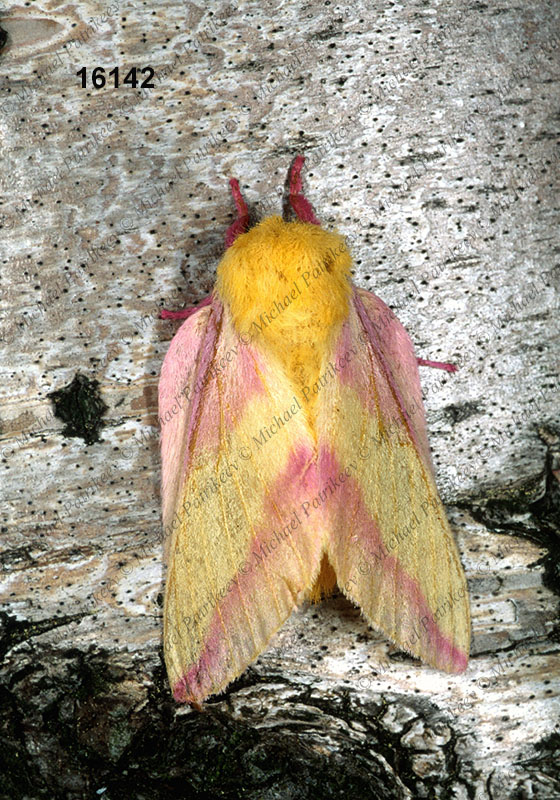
(395, 350)
(180, 381)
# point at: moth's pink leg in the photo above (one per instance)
(185, 312)
(242, 221)
(300, 204)
(437, 365)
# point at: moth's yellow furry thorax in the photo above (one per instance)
(287, 287)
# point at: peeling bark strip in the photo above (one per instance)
(435, 128)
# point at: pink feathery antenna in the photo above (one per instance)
(241, 224)
(300, 204)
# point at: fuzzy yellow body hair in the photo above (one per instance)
(296, 276)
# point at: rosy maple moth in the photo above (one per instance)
(295, 460)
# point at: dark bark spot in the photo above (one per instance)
(81, 407)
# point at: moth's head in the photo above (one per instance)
(276, 259)
(276, 251)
